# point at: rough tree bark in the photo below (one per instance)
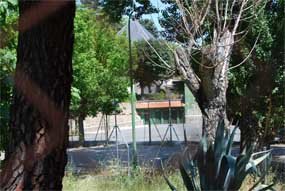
(39, 112)
(210, 89)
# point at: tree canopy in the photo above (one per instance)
(116, 9)
(150, 62)
(256, 93)
(100, 63)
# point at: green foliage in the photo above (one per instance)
(156, 96)
(7, 7)
(100, 64)
(215, 168)
(7, 62)
(8, 44)
(115, 10)
(259, 82)
(150, 66)
(75, 100)
(150, 26)
(171, 22)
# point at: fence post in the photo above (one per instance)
(265, 168)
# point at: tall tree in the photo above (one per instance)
(208, 31)
(100, 66)
(37, 154)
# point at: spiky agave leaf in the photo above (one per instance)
(171, 186)
(258, 183)
(219, 136)
(216, 168)
(231, 171)
(210, 172)
(187, 180)
(194, 173)
(266, 187)
(224, 168)
(219, 145)
(200, 159)
(254, 162)
(240, 169)
(196, 176)
(231, 141)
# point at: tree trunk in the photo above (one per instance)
(81, 129)
(158, 85)
(142, 90)
(213, 112)
(210, 89)
(107, 128)
(39, 111)
(149, 89)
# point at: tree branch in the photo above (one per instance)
(239, 16)
(226, 15)
(247, 57)
(185, 69)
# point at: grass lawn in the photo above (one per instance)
(111, 180)
(121, 182)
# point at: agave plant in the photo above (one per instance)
(215, 168)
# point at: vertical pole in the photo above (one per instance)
(149, 125)
(132, 95)
(71, 127)
(107, 133)
(265, 168)
(117, 143)
(170, 122)
(184, 129)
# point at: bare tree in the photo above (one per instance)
(211, 29)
